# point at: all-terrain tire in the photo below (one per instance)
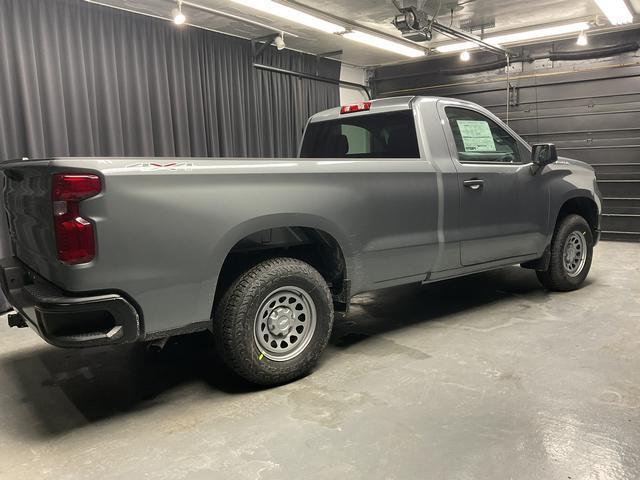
(558, 276)
(242, 310)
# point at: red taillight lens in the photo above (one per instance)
(75, 239)
(75, 187)
(356, 107)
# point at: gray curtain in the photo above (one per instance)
(78, 79)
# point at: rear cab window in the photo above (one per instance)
(374, 135)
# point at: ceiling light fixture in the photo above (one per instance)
(384, 44)
(517, 37)
(279, 42)
(291, 14)
(178, 16)
(582, 39)
(465, 56)
(616, 11)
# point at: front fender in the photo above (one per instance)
(573, 182)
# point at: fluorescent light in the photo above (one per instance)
(456, 47)
(384, 44)
(297, 16)
(539, 33)
(616, 11)
(517, 37)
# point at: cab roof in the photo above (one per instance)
(380, 105)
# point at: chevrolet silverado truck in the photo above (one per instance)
(264, 252)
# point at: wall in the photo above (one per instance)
(589, 108)
(349, 95)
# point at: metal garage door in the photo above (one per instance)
(591, 115)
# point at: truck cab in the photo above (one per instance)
(494, 204)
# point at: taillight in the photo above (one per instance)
(75, 239)
(356, 107)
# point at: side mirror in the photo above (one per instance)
(543, 154)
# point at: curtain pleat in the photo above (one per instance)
(78, 79)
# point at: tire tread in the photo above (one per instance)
(230, 323)
(554, 277)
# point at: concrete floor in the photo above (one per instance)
(486, 377)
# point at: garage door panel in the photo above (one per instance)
(585, 121)
(620, 155)
(612, 137)
(621, 222)
(586, 106)
(585, 88)
(493, 97)
(595, 114)
(619, 188)
(589, 141)
(603, 99)
(622, 206)
(618, 171)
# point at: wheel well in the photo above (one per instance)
(583, 206)
(313, 246)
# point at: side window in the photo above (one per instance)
(480, 139)
(358, 139)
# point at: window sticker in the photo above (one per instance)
(476, 136)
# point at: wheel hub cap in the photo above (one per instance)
(280, 321)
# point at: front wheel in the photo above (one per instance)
(571, 254)
(274, 321)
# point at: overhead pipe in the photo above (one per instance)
(553, 56)
(317, 78)
(594, 52)
(480, 67)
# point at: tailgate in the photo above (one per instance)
(27, 201)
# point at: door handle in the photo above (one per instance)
(474, 183)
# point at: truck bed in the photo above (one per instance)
(165, 226)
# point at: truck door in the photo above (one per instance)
(503, 207)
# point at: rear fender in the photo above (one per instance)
(257, 224)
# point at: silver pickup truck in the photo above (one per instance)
(263, 252)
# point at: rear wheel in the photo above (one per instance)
(274, 321)
(571, 254)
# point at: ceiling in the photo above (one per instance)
(507, 15)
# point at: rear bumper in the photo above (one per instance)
(64, 320)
